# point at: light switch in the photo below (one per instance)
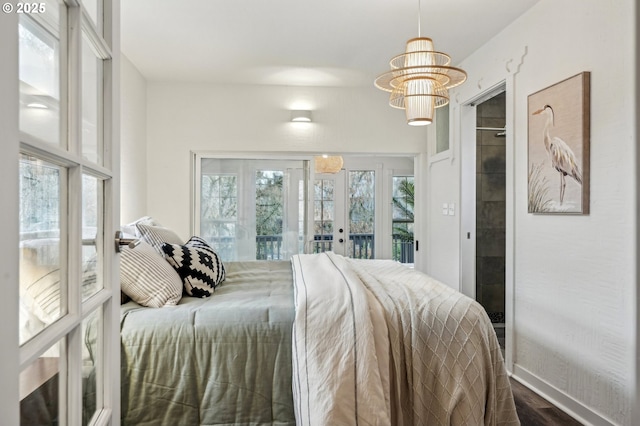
(452, 209)
(445, 209)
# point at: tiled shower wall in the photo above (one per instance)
(490, 207)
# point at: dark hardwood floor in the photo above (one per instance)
(533, 410)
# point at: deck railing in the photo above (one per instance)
(361, 246)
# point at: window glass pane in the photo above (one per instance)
(91, 235)
(91, 101)
(92, 400)
(402, 217)
(41, 270)
(39, 70)
(91, 6)
(361, 213)
(40, 390)
(219, 211)
(442, 129)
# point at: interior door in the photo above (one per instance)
(67, 327)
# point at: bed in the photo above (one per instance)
(318, 340)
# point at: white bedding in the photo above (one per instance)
(377, 343)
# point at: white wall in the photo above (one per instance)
(133, 142)
(573, 276)
(197, 117)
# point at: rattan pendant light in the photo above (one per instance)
(420, 79)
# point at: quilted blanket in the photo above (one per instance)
(377, 343)
(222, 360)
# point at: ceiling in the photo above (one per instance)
(298, 42)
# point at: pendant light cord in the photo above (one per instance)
(419, 18)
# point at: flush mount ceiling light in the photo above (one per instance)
(420, 79)
(301, 116)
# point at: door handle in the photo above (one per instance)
(121, 241)
(341, 240)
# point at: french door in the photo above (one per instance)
(272, 208)
(330, 232)
(250, 209)
(344, 214)
(61, 361)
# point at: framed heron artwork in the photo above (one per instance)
(558, 147)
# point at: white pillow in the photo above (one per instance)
(147, 278)
(131, 228)
(157, 235)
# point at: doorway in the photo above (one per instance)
(491, 206)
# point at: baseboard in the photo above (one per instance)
(564, 402)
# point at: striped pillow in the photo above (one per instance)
(40, 287)
(40, 291)
(147, 278)
(157, 235)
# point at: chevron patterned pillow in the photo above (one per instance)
(198, 265)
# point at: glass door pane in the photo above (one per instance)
(219, 211)
(39, 69)
(361, 214)
(91, 103)
(402, 218)
(41, 390)
(249, 209)
(92, 349)
(269, 214)
(42, 266)
(93, 8)
(323, 215)
(92, 231)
